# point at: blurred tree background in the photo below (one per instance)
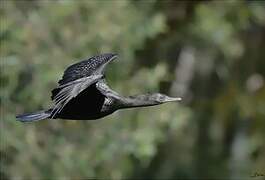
(212, 54)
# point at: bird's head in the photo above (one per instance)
(162, 98)
(148, 100)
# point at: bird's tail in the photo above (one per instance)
(29, 117)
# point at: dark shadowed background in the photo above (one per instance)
(212, 54)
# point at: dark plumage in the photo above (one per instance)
(83, 94)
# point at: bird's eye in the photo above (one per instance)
(161, 98)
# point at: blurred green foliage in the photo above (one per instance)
(210, 53)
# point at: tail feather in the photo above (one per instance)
(29, 117)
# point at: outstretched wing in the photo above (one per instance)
(77, 78)
(93, 65)
(68, 91)
(103, 87)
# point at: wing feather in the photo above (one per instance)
(77, 78)
(103, 87)
(71, 90)
(88, 67)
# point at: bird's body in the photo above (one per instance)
(83, 94)
(87, 105)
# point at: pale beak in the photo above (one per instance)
(172, 99)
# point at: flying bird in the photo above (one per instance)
(83, 94)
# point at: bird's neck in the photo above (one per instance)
(138, 101)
